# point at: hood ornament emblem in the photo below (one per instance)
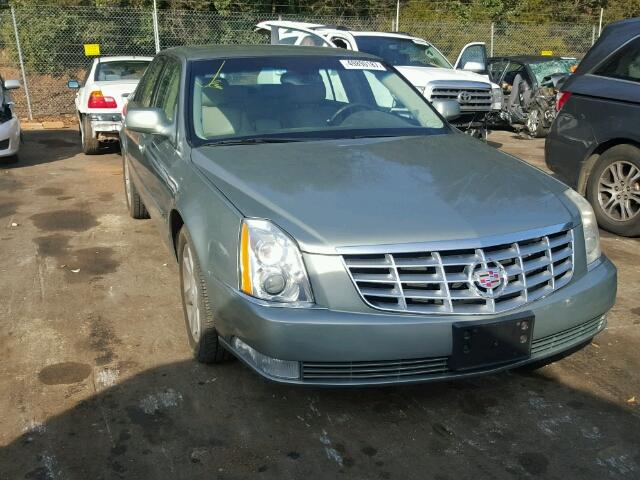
(487, 279)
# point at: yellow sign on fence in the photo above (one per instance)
(92, 49)
(546, 53)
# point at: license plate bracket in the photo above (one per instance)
(481, 344)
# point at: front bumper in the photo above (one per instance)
(9, 137)
(340, 343)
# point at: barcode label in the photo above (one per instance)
(361, 65)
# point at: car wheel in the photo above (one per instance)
(535, 123)
(90, 145)
(198, 316)
(135, 205)
(614, 190)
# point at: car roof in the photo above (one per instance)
(532, 58)
(204, 52)
(613, 37)
(117, 58)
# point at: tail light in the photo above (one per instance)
(97, 100)
(562, 99)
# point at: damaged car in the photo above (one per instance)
(530, 84)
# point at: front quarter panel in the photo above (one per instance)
(213, 224)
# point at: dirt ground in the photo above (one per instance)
(97, 380)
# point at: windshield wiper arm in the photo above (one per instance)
(253, 141)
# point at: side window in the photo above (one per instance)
(624, 64)
(144, 91)
(341, 43)
(168, 90)
(473, 54)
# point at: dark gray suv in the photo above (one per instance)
(594, 144)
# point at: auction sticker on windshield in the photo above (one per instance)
(361, 65)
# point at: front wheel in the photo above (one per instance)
(196, 304)
(614, 190)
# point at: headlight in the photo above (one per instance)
(589, 225)
(271, 266)
(496, 98)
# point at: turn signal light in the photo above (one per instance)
(562, 99)
(97, 100)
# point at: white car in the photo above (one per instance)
(99, 101)
(9, 122)
(419, 61)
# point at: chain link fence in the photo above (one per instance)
(52, 38)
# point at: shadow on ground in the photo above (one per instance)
(185, 420)
(46, 146)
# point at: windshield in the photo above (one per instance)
(120, 70)
(403, 51)
(549, 67)
(306, 97)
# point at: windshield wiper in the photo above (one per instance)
(253, 141)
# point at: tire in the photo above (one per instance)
(196, 305)
(90, 145)
(535, 123)
(135, 205)
(616, 178)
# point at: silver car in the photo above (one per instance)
(331, 228)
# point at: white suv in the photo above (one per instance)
(418, 60)
(99, 102)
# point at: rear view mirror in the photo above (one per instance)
(449, 109)
(11, 84)
(73, 84)
(148, 120)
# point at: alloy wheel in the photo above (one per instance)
(619, 191)
(191, 292)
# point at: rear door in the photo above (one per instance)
(473, 57)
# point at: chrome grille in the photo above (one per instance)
(377, 370)
(480, 98)
(439, 282)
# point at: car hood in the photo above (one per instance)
(421, 76)
(338, 193)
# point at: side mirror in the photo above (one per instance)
(73, 84)
(11, 84)
(476, 67)
(148, 120)
(449, 109)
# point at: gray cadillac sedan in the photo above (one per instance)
(331, 228)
